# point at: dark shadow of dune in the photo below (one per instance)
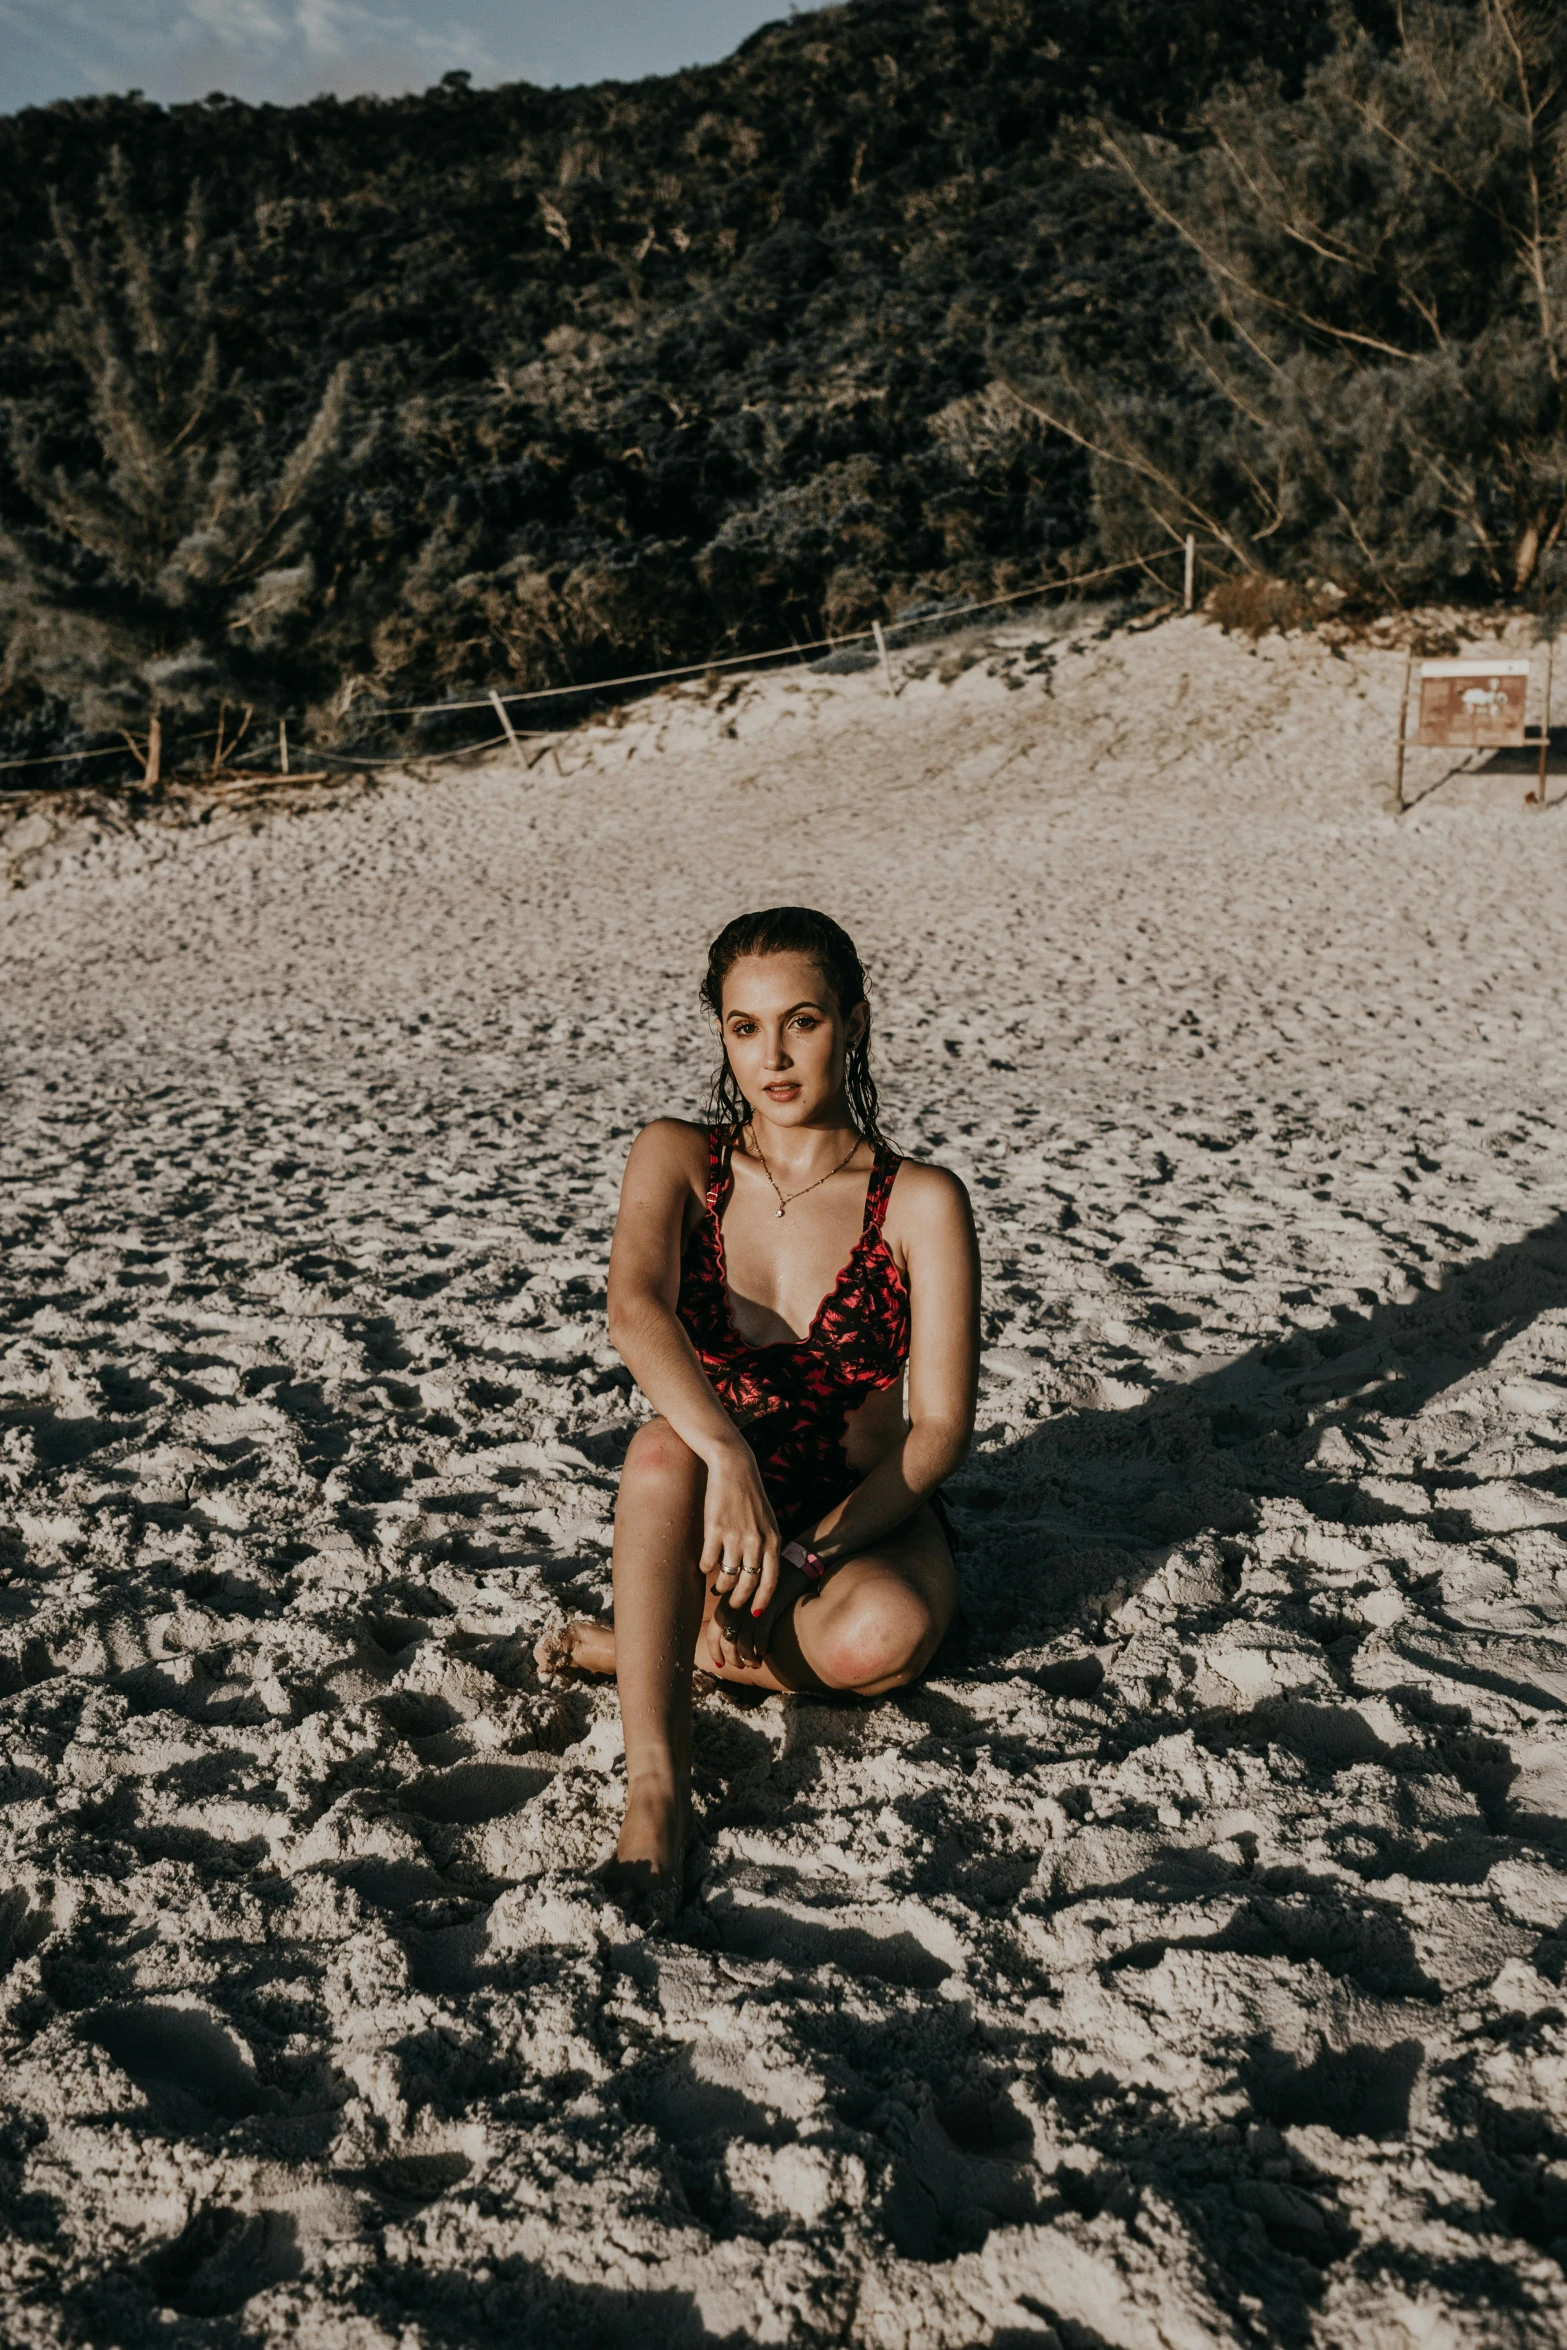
(1514, 2154)
(471, 1792)
(1083, 1510)
(759, 1930)
(224, 2258)
(1357, 2091)
(1364, 1943)
(61, 1439)
(521, 2302)
(25, 1925)
(407, 2182)
(1093, 1500)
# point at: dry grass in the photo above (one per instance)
(1253, 604)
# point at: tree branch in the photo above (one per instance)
(1254, 293)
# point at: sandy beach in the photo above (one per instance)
(1179, 1964)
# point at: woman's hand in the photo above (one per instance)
(739, 1534)
(738, 1641)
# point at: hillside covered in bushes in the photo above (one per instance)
(324, 410)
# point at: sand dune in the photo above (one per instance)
(1180, 1964)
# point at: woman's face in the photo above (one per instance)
(786, 1039)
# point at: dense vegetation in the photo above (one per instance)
(327, 409)
(1363, 395)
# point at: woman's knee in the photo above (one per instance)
(656, 1456)
(877, 1640)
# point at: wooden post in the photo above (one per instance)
(1538, 794)
(881, 647)
(504, 715)
(1403, 712)
(1191, 570)
(154, 767)
(282, 743)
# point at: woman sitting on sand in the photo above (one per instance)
(772, 1274)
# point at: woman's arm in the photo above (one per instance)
(739, 1529)
(943, 1279)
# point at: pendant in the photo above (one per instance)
(780, 1211)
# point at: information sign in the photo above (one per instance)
(1473, 705)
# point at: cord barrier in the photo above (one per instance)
(819, 644)
(599, 685)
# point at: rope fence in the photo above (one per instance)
(500, 698)
(819, 644)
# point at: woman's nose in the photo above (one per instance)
(777, 1054)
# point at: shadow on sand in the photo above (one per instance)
(1091, 1504)
(1065, 1524)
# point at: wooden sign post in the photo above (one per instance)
(1538, 793)
(1473, 706)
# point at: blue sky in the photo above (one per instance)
(292, 49)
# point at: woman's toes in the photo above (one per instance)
(552, 1650)
(578, 1646)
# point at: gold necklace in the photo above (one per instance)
(786, 1199)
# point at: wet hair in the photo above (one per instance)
(793, 930)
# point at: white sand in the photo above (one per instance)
(1178, 1965)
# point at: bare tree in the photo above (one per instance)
(154, 561)
(1366, 378)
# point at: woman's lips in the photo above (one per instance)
(781, 1092)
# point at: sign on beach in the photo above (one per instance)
(1473, 705)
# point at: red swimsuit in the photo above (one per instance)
(792, 1398)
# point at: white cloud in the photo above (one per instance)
(244, 23)
(346, 29)
(329, 28)
(285, 50)
(282, 50)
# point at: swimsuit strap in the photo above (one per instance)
(879, 1189)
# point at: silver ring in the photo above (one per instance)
(727, 1574)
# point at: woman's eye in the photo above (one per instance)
(802, 1022)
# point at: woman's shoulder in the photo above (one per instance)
(676, 1145)
(929, 1200)
(920, 1182)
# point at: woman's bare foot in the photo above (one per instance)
(657, 1826)
(582, 1646)
(646, 1874)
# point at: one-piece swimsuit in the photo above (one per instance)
(791, 1398)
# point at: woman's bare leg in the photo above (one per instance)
(658, 1611)
(874, 1625)
(876, 1622)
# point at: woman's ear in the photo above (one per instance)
(857, 1023)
